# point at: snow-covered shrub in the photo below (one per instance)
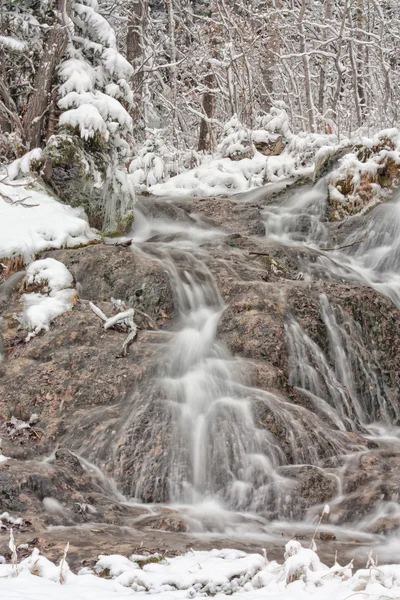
(247, 159)
(276, 122)
(304, 148)
(154, 162)
(88, 110)
(236, 141)
(269, 138)
(299, 562)
(95, 95)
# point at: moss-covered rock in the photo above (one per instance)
(81, 174)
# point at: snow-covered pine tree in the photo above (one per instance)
(71, 100)
(94, 94)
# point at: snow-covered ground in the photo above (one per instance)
(243, 160)
(223, 176)
(217, 573)
(31, 221)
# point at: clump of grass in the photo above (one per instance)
(325, 511)
(14, 557)
(62, 564)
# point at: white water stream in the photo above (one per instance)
(222, 470)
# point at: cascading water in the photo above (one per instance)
(330, 379)
(216, 451)
(376, 260)
(205, 432)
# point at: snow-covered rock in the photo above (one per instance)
(56, 295)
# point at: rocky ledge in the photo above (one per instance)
(63, 393)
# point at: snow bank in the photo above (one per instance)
(217, 177)
(205, 572)
(218, 573)
(246, 159)
(32, 221)
(56, 297)
(238, 166)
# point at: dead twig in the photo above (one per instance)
(258, 253)
(345, 246)
(12, 202)
(14, 185)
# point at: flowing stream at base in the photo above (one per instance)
(217, 466)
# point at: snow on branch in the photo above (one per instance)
(12, 43)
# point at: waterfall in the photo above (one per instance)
(196, 430)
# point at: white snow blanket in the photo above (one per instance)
(218, 573)
(31, 220)
(221, 176)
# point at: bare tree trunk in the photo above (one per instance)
(172, 69)
(272, 44)
(359, 18)
(9, 119)
(39, 102)
(6, 103)
(208, 107)
(135, 45)
(206, 138)
(339, 66)
(306, 68)
(322, 73)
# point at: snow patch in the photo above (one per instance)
(12, 43)
(56, 297)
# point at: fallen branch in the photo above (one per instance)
(97, 311)
(9, 200)
(259, 253)
(14, 185)
(122, 320)
(122, 317)
(341, 247)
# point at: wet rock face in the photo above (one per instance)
(84, 395)
(73, 369)
(104, 271)
(371, 481)
(61, 492)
